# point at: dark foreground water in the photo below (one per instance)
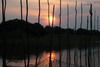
(44, 59)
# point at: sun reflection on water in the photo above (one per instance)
(53, 56)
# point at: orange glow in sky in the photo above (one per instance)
(13, 11)
(51, 20)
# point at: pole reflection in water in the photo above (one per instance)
(44, 59)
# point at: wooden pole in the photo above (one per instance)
(75, 50)
(27, 36)
(39, 12)
(48, 12)
(98, 23)
(68, 48)
(94, 43)
(3, 10)
(4, 34)
(26, 10)
(94, 18)
(60, 14)
(80, 37)
(76, 16)
(91, 16)
(67, 16)
(60, 53)
(51, 39)
(89, 47)
(21, 6)
(87, 22)
(81, 16)
(53, 15)
(86, 43)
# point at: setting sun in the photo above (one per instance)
(51, 19)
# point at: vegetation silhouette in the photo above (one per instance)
(15, 38)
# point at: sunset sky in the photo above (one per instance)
(13, 11)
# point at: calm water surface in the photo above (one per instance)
(44, 59)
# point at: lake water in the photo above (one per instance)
(44, 59)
